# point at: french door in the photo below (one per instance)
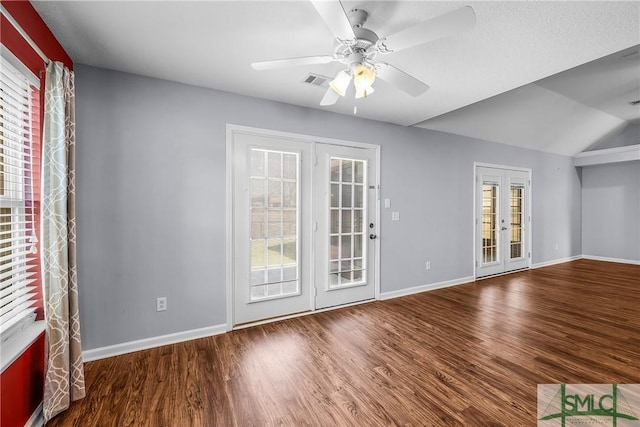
(303, 226)
(346, 225)
(271, 227)
(502, 220)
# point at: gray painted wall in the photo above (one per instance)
(629, 135)
(611, 210)
(151, 199)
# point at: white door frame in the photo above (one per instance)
(474, 218)
(231, 129)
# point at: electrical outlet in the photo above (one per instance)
(556, 246)
(428, 265)
(161, 304)
(395, 216)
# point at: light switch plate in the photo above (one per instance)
(395, 216)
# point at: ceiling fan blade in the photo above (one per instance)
(400, 79)
(441, 26)
(330, 97)
(292, 62)
(335, 17)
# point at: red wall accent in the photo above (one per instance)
(21, 383)
(36, 156)
(23, 12)
(20, 398)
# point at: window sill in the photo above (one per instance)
(17, 344)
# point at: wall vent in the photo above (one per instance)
(317, 80)
(636, 102)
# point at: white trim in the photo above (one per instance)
(529, 209)
(296, 136)
(608, 155)
(313, 140)
(474, 218)
(590, 257)
(494, 166)
(152, 342)
(19, 342)
(37, 418)
(608, 151)
(376, 259)
(229, 223)
(314, 227)
(556, 261)
(425, 288)
(147, 343)
(608, 259)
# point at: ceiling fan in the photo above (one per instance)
(358, 47)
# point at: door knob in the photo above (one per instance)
(503, 228)
(373, 236)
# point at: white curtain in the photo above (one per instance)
(64, 380)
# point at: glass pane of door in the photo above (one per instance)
(274, 190)
(517, 214)
(501, 220)
(490, 194)
(347, 208)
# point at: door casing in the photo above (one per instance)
(231, 129)
(529, 219)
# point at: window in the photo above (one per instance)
(347, 242)
(19, 122)
(275, 186)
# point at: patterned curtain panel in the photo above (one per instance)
(64, 381)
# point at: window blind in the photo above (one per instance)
(19, 116)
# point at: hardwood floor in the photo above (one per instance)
(469, 355)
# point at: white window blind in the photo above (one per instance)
(18, 241)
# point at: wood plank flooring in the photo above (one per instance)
(469, 355)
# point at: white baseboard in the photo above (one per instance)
(591, 257)
(556, 261)
(36, 419)
(424, 288)
(608, 259)
(147, 343)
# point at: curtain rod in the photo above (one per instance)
(24, 34)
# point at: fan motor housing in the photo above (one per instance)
(364, 37)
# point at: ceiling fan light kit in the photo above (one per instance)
(357, 48)
(341, 82)
(363, 79)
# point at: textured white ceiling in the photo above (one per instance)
(565, 113)
(212, 43)
(607, 84)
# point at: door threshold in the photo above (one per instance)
(502, 274)
(298, 314)
(270, 320)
